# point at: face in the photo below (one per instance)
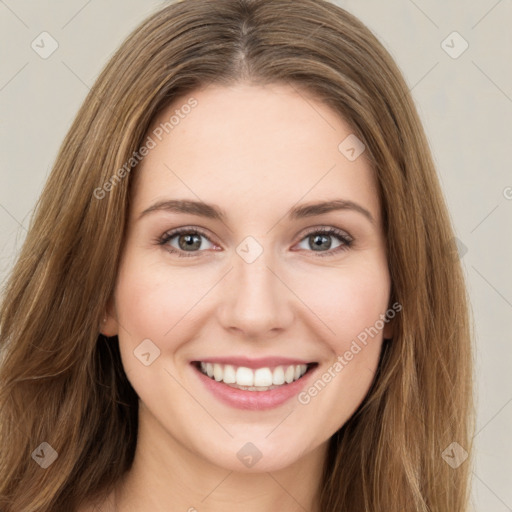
(253, 284)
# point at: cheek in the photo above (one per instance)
(157, 304)
(151, 300)
(348, 301)
(352, 305)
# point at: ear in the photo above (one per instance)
(109, 326)
(389, 329)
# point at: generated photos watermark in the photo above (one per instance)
(150, 143)
(342, 361)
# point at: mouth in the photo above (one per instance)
(256, 379)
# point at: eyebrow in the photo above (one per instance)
(212, 211)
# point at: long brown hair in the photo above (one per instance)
(63, 384)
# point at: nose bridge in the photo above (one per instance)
(256, 279)
(257, 301)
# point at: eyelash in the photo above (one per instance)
(342, 236)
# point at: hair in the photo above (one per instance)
(62, 382)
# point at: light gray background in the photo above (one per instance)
(465, 104)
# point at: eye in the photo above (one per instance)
(189, 241)
(319, 239)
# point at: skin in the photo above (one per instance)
(255, 152)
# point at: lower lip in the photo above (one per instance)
(254, 400)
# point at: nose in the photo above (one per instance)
(256, 301)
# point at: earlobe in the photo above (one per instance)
(108, 325)
(388, 331)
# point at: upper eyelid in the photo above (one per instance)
(327, 228)
(201, 231)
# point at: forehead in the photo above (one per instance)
(251, 148)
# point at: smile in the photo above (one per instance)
(259, 379)
(258, 387)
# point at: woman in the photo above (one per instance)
(178, 332)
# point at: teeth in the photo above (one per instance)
(260, 379)
(263, 377)
(278, 376)
(244, 376)
(289, 374)
(229, 374)
(217, 372)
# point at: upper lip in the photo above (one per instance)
(262, 362)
